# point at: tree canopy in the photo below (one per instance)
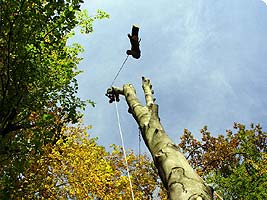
(235, 163)
(76, 167)
(37, 68)
(37, 78)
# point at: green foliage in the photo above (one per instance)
(37, 81)
(85, 21)
(234, 164)
(36, 66)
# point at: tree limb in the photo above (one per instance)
(178, 177)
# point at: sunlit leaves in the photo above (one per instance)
(86, 21)
(36, 65)
(235, 164)
(76, 167)
(38, 88)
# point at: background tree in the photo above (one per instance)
(37, 79)
(37, 68)
(235, 164)
(76, 167)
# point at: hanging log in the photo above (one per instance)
(178, 177)
(135, 43)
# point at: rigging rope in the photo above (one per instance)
(119, 70)
(123, 148)
(139, 145)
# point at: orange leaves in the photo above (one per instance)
(234, 163)
(211, 152)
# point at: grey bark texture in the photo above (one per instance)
(178, 177)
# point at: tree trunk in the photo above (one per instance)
(178, 177)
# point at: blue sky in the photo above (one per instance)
(206, 60)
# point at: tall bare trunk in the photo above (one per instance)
(178, 177)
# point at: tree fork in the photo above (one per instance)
(178, 177)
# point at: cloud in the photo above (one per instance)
(206, 65)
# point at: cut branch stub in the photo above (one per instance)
(113, 94)
(147, 87)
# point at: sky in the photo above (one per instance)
(206, 61)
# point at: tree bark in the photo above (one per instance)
(178, 177)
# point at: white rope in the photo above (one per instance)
(119, 70)
(123, 148)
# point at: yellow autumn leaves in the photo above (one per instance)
(76, 167)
